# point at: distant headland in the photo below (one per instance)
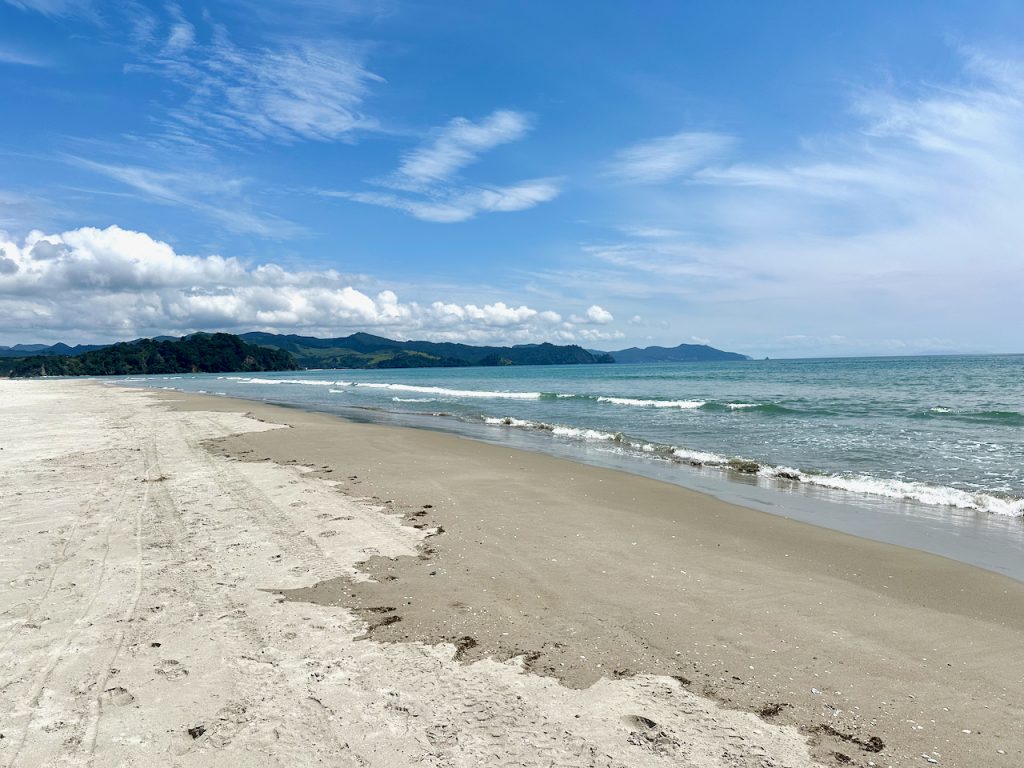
(256, 351)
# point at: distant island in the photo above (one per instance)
(684, 353)
(256, 351)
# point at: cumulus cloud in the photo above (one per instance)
(668, 157)
(427, 185)
(595, 315)
(101, 284)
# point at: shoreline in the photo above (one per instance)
(847, 638)
(982, 539)
(139, 624)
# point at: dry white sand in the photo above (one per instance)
(137, 629)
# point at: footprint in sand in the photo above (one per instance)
(117, 696)
(171, 669)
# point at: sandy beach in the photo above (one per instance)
(199, 581)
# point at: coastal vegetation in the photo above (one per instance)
(256, 351)
(199, 353)
(364, 350)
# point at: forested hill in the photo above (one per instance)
(221, 352)
(364, 350)
(199, 353)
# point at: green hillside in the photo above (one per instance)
(364, 350)
(199, 353)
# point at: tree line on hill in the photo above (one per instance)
(199, 353)
(222, 352)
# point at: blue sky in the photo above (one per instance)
(784, 179)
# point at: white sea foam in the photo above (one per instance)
(700, 457)
(336, 391)
(412, 399)
(559, 430)
(860, 484)
(740, 406)
(940, 409)
(589, 435)
(508, 421)
(934, 495)
(685, 404)
(476, 393)
(303, 382)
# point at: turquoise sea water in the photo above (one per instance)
(935, 431)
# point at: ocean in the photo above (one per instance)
(925, 452)
(941, 431)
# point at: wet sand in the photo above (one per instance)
(141, 620)
(882, 655)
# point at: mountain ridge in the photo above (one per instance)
(366, 350)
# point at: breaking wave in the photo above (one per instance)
(444, 391)
(923, 493)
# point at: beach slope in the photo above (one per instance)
(140, 625)
(203, 581)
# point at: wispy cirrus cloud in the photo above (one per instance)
(283, 88)
(13, 56)
(663, 159)
(284, 91)
(458, 144)
(911, 210)
(427, 183)
(450, 206)
(219, 197)
(55, 8)
(218, 93)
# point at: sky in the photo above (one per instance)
(791, 179)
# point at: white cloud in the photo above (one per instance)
(906, 226)
(595, 315)
(12, 56)
(54, 7)
(182, 35)
(649, 232)
(659, 160)
(102, 284)
(459, 144)
(217, 196)
(426, 184)
(285, 91)
(290, 88)
(460, 205)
